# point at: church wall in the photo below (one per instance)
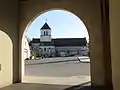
(71, 47)
(35, 45)
(42, 31)
(45, 38)
(52, 49)
(78, 50)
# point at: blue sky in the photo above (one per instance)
(64, 24)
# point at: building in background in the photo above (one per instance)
(26, 47)
(46, 46)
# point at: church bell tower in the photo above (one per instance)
(45, 35)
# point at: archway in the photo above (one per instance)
(92, 16)
(72, 49)
(6, 60)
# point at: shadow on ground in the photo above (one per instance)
(34, 86)
(87, 86)
(31, 86)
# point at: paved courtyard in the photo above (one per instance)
(29, 86)
(61, 71)
(56, 74)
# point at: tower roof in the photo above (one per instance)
(45, 26)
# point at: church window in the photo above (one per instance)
(44, 33)
(52, 49)
(44, 49)
(41, 49)
(47, 49)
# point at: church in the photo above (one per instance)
(51, 47)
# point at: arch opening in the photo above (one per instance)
(75, 51)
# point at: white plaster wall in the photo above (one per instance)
(35, 45)
(26, 48)
(42, 31)
(82, 49)
(6, 60)
(47, 47)
(45, 38)
(71, 48)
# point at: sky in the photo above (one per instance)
(63, 24)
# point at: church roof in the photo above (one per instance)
(35, 40)
(60, 42)
(45, 26)
(70, 42)
(47, 43)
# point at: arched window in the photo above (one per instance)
(44, 49)
(40, 49)
(46, 33)
(52, 49)
(47, 49)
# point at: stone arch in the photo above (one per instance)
(89, 12)
(51, 9)
(45, 32)
(6, 59)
